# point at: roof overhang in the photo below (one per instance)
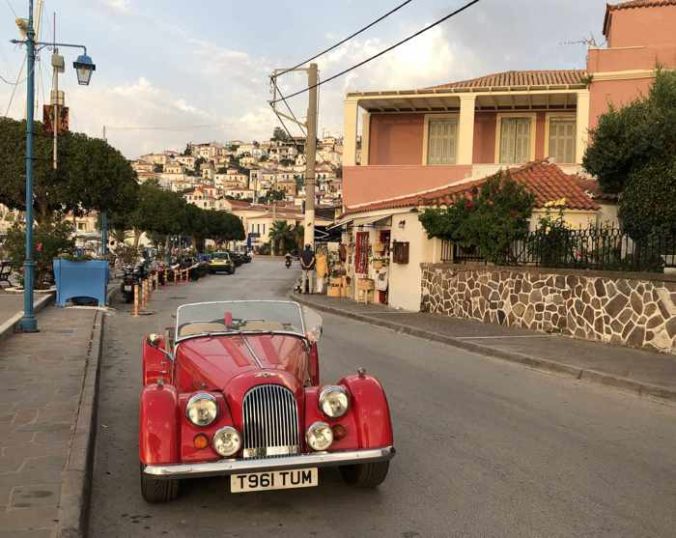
(515, 98)
(371, 221)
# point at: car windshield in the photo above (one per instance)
(244, 317)
(220, 256)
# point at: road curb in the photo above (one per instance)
(76, 485)
(593, 376)
(10, 326)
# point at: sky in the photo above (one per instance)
(199, 70)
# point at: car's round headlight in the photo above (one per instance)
(319, 436)
(227, 441)
(334, 401)
(202, 409)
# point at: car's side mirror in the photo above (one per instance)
(154, 340)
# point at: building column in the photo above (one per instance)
(350, 132)
(466, 129)
(581, 125)
(365, 125)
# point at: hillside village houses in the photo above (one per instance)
(422, 147)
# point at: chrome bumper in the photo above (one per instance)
(228, 467)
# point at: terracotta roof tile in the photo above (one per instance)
(641, 3)
(558, 77)
(545, 180)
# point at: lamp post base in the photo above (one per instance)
(28, 325)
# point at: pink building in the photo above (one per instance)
(413, 140)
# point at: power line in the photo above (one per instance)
(355, 34)
(11, 9)
(382, 52)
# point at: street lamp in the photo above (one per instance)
(84, 67)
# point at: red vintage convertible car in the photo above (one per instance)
(234, 390)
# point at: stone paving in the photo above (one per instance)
(41, 376)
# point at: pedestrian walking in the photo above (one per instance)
(308, 262)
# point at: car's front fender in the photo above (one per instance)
(158, 424)
(370, 410)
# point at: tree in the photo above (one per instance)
(633, 152)
(91, 175)
(280, 134)
(282, 237)
(491, 218)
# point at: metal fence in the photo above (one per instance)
(594, 248)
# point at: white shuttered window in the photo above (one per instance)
(515, 142)
(562, 139)
(442, 141)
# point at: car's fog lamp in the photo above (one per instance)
(334, 401)
(227, 441)
(339, 431)
(319, 436)
(202, 409)
(200, 441)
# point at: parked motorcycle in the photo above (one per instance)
(132, 276)
(287, 262)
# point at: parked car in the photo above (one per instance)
(221, 261)
(236, 257)
(233, 389)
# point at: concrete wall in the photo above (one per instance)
(363, 184)
(396, 139)
(647, 26)
(637, 310)
(405, 279)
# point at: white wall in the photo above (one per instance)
(406, 279)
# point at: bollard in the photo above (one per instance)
(166, 276)
(144, 293)
(136, 299)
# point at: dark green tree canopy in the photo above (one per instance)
(92, 175)
(496, 214)
(633, 152)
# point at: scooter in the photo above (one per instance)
(132, 276)
(287, 262)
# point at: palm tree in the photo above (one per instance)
(281, 236)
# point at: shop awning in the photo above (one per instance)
(373, 221)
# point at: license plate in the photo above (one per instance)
(127, 287)
(294, 478)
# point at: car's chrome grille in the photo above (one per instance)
(270, 418)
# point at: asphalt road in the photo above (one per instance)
(485, 447)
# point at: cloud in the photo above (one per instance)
(119, 6)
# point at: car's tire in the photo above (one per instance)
(156, 490)
(365, 475)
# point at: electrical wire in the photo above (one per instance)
(355, 34)
(12, 9)
(382, 52)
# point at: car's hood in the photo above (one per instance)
(235, 363)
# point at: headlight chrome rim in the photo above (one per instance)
(197, 399)
(329, 395)
(232, 433)
(312, 438)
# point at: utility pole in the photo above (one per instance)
(310, 156)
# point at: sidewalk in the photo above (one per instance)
(46, 405)
(11, 309)
(640, 371)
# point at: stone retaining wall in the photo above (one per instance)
(638, 311)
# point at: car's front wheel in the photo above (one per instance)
(156, 490)
(365, 475)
